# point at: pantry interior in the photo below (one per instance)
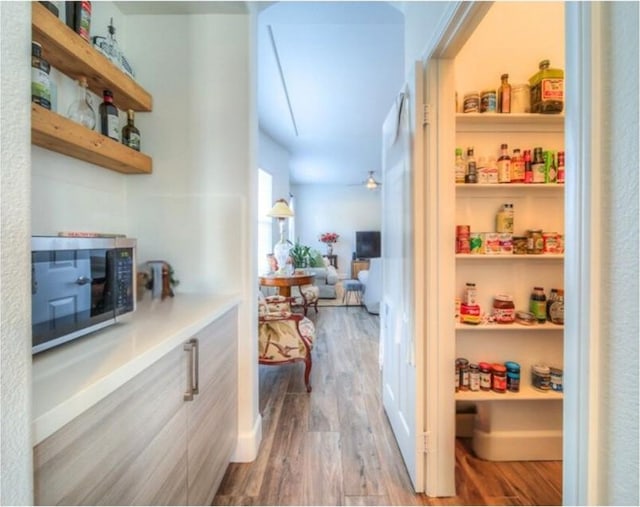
(512, 38)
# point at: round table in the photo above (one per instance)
(284, 283)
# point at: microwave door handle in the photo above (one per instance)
(83, 280)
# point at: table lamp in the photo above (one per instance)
(281, 249)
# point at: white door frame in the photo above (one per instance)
(583, 24)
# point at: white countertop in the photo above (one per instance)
(69, 379)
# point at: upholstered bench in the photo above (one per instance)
(352, 288)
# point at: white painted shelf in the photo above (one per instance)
(501, 328)
(527, 393)
(494, 122)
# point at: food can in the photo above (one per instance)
(560, 243)
(463, 230)
(513, 376)
(491, 242)
(499, 377)
(506, 243)
(474, 377)
(488, 101)
(550, 241)
(475, 241)
(555, 379)
(520, 98)
(471, 102)
(485, 376)
(519, 245)
(541, 377)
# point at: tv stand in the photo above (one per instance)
(357, 266)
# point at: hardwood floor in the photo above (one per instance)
(335, 447)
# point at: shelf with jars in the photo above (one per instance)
(510, 257)
(66, 51)
(526, 393)
(506, 328)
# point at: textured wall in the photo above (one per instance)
(619, 367)
(15, 267)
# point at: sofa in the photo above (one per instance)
(371, 280)
(325, 279)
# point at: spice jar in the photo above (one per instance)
(499, 377)
(541, 377)
(513, 376)
(474, 377)
(40, 82)
(535, 241)
(485, 376)
(463, 365)
(504, 311)
(520, 98)
(555, 379)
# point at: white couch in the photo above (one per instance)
(371, 280)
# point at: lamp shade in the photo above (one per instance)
(280, 210)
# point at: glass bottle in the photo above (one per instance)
(113, 49)
(550, 172)
(130, 133)
(81, 110)
(537, 166)
(40, 82)
(504, 165)
(109, 120)
(460, 166)
(538, 304)
(504, 95)
(560, 167)
(472, 170)
(517, 167)
(528, 170)
(556, 311)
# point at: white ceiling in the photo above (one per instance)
(341, 65)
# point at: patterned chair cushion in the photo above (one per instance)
(311, 294)
(279, 340)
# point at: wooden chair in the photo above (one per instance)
(306, 296)
(284, 336)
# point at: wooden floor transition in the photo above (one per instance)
(335, 447)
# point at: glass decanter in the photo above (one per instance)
(81, 110)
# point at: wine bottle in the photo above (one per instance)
(109, 120)
(130, 134)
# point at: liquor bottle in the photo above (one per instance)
(504, 95)
(528, 171)
(81, 110)
(460, 166)
(472, 170)
(560, 167)
(109, 120)
(504, 165)
(113, 49)
(517, 167)
(78, 16)
(537, 166)
(130, 134)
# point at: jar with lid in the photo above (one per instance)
(488, 101)
(513, 376)
(547, 89)
(538, 304)
(556, 310)
(541, 377)
(504, 311)
(555, 379)
(520, 98)
(535, 241)
(474, 377)
(504, 218)
(499, 378)
(553, 295)
(457, 377)
(40, 82)
(463, 366)
(470, 294)
(485, 376)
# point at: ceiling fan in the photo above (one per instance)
(371, 183)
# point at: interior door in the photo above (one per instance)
(401, 364)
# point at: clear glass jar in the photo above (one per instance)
(81, 110)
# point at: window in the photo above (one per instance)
(292, 221)
(265, 223)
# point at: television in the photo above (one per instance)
(367, 244)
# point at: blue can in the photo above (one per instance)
(513, 376)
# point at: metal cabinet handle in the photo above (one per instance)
(196, 373)
(191, 347)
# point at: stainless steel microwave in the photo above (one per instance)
(79, 285)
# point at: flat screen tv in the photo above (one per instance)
(367, 244)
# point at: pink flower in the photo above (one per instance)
(329, 237)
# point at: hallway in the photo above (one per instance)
(335, 446)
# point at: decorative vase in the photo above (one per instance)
(329, 248)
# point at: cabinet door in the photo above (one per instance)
(128, 449)
(212, 415)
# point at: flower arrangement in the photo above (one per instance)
(329, 237)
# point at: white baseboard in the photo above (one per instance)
(248, 443)
(540, 445)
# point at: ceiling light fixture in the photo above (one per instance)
(371, 182)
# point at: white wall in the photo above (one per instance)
(420, 21)
(16, 482)
(336, 208)
(618, 366)
(276, 160)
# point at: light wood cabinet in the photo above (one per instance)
(73, 56)
(144, 444)
(357, 266)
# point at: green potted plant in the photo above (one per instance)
(300, 255)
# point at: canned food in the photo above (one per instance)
(499, 377)
(506, 243)
(560, 243)
(463, 230)
(491, 242)
(475, 241)
(513, 376)
(471, 102)
(485, 376)
(555, 379)
(519, 245)
(504, 311)
(535, 241)
(541, 377)
(488, 101)
(474, 377)
(550, 242)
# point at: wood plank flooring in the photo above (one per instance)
(335, 446)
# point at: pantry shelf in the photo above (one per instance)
(543, 187)
(526, 122)
(547, 326)
(527, 393)
(57, 133)
(510, 257)
(72, 55)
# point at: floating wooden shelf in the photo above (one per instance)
(54, 132)
(72, 55)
